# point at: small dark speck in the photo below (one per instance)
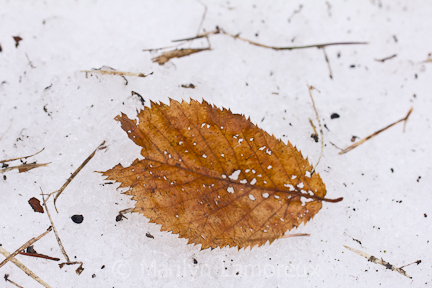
(334, 116)
(391, 169)
(415, 76)
(362, 174)
(352, 66)
(262, 119)
(395, 38)
(418, 179)
(195, 261)
(358, 241)
(103, 266)
(119, 217)
(237, 273)
(94, 276)
(149, 235)
(425, 215)
(247, 84)
(290, 124)
(4, 177)
(256, 34)
(78, 219)
(339, 55)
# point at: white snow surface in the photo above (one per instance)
(51, 104)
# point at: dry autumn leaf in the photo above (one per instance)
(35, 204)
(215, 178)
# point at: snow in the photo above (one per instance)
(386, 211)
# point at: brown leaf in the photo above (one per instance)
(166, 56)
(215, 178)
(17, 40)
(35, 204)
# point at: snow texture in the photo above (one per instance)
(386, 211)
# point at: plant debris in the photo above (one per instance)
(58, 192)
(17, 40)
(23, 167)
(35, 204)
(139, 96)
(80, 268)
(5, 253)
(386, 58)
(215, 178)
(382, 262)
(178, 53)
(31, 252)
(24, 246)
(6, 277)
(114, 72)
(190, 85)
(405, 119)
(310, 88)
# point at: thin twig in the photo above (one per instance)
(415, 262)
(328, 62)
(335, 145)
(23, 268)
(379, 261)
(39, 256)
(53, 227)
(24, 246)
(295, 12)
(23, 167)
(310, 88)
(6, 277)
(30, 63)
(295, 235)
(120, 73)
(163, 48)
(405, 119)
(78, 270)
(68, 262)
(25, 157)
(58, 192)
(203, 17)
(386, 58)
(293, 47)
